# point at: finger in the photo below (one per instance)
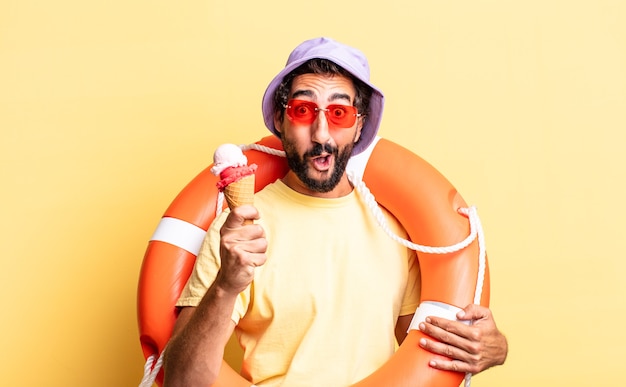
(474, 312)
(445, 326)
(257, 260)
(250, 252)
(241, 248)
(240, 215)
(451, 358)
(449, 333)
(450, 365)
(252, 237)
(451, 352)
(235, 258)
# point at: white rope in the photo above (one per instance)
(482, 265)
(482, 259)
(264, 149)
(372, 204)
(468, 379)
(220, 204)
(150, 373)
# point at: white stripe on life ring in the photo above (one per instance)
(434, 308)
(179, 233)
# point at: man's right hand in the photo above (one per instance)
(242, 248)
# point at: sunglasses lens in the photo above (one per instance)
(304, 113)
(341, 116)
(301, 112)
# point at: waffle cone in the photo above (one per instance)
(240, 192)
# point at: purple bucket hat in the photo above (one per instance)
(347, 57)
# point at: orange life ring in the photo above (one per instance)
(420, 197)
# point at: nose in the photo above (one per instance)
(320, 132)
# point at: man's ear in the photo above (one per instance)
(278, 122)
(359, 126)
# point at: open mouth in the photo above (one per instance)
(321, 163)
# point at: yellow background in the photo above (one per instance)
(107, 109)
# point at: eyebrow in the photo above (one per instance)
(333, 97)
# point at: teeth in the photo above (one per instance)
(322, 162)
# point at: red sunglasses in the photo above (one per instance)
(305, 112)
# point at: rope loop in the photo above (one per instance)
(149, 372)
(372, 204)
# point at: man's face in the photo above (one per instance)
(318, 148)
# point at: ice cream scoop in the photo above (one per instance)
(227, 155)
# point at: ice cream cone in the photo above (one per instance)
(240, 192)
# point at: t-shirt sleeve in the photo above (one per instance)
(205, 271)
(412, 293)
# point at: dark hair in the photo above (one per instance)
(323, 67)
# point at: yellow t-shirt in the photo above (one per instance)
(322, 310)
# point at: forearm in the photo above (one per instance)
(402, 326)
(194, 355)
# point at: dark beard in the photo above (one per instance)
(300, 167)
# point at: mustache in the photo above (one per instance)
(318, 149)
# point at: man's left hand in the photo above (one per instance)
(471, 348)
